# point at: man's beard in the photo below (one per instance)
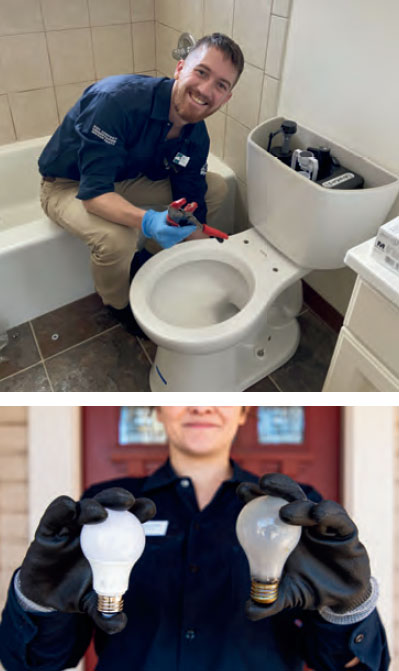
(187, 115)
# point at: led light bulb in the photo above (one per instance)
(267, 542)
(112, 547)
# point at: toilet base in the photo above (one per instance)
(234, 369)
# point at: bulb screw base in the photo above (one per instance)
(109, 604)
(264, 593)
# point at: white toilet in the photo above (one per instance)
(223, 316)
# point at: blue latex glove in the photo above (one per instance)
(154, 225)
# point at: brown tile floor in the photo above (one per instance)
(80, 347)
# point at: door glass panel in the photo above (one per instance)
(280, 425)
(139, 425)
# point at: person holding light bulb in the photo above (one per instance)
(187, 606)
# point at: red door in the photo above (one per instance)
(314, 460)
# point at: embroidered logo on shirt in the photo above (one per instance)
(181, 159)
(204, 169)
(109, 139)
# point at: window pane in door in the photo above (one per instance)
(280, 425)
(139, 425)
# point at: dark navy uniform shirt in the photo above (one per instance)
(185, 604)
(117, 131)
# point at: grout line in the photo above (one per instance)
(8, 377)
(36, 341)
(143, 347)
(41, 356)
(82, 342)
(275, 383)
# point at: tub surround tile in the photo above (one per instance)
(20, 353)
(183, 15)
(113, 50)
(142, 10)
(307, 369)
(34, 112)
(235, 149)
(7, 131)
(113, 361)
(276, 46)
(71, 55)
(72, 323)
(218, 16)
(33, 379)
(20, 16)
(67, 95)
(166, 41)
(270, 95)
(143, 45)
(251, 27)
(281, 7)
(25, 63)
(216, 125)
(245, 101)
(106, 13)
(60, 15)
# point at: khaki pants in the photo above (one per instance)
(112, 246)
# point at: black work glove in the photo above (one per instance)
(55, 573)
(329, 566)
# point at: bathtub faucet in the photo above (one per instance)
(184, 45)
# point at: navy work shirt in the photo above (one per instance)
(185, 603)
(117, 131)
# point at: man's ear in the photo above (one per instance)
(179, 68)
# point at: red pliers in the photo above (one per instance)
(178, 215)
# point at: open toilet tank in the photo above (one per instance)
(224, 315)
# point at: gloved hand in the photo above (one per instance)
(329, 566)
(154, 225)
(55, 573)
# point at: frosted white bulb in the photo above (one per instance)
(267, 542)
(112, 547)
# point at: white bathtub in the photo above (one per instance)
(41, 266)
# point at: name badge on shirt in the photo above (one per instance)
(156, 527)
(181, 159)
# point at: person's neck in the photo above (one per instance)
(206, 473)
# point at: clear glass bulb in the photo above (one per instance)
(267, 542)
(112, 547)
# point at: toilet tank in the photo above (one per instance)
(314, 226)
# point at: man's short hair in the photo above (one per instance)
(227, 46)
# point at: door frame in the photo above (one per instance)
(55, 439)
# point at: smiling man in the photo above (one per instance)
(185, 609)
(132, 141)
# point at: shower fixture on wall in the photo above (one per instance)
(184, 45)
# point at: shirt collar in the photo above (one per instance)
(161, 106)
(165, 475)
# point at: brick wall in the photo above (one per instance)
(13, 493)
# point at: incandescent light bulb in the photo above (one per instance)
(267, 542)
(112, 547)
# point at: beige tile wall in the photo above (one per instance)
(13, 493)
(260, 27)
(50, 50)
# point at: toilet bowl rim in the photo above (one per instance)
(215, 336)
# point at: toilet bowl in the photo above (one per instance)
(223, 316)
(205, 306)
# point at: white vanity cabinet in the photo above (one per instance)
(366, 356)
